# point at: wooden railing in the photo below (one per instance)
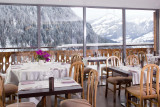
(8, 58)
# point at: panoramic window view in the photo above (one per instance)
(18, 26)
(105, 29)
(79, 54)
(60, 26)
(139, 26)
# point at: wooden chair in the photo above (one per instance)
(22, 104)
(9, 90)
(142, 55)
(145, 91)
(91, 93)
(76, 58)
(2, 98)
(2, 94)
(117, 53)
(76, 72)
(132, 60)
(118, 80)
(114, 60)
(130, 52)
(104, 69)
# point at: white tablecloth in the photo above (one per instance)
(64, 82)
(27, 85)
(135, 72)
(36, 72)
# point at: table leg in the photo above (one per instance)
(158, 61)
(67, 96)
(44, 101)
(48, 101)
(98, 70)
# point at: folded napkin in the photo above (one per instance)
(63, 63)
(132, 71)
(24, 68)
(27, 82)
(15, 67)
(67, 81)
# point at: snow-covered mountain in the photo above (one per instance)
(137, 30)
(60, 25)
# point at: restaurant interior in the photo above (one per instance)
(79, 53)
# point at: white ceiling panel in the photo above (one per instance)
(148, 4)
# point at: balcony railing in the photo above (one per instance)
(8, 58)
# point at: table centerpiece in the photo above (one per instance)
(42, 57)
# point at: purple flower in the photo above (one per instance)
(39, 52)
(47, 59)
(42, 55)
(46, 55)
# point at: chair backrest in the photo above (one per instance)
(132, 60)
(77, 72)
(129, 52)
(114, 60)
(117, 53)
(92, 87)
(75, 58)
(2, 95)
(142, 56)
(150, 69)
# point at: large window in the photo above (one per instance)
(104, 25)
(139, 26)
(62, 27)
(18, 26)
(104, 28)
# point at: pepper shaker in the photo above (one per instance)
(51, 83)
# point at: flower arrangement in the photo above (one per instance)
(42, 55)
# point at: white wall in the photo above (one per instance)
(150, 4)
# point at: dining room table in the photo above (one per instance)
(34, 71)
(134, 71)
(97, 60)
(153, 59)
(41, 91)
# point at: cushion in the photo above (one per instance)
(154, 86)
(87, 70)
(128, 79)
(10, 89)
(135, 90)
(24, 104)
(75, 103)
(116, 80)
(103, 68)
